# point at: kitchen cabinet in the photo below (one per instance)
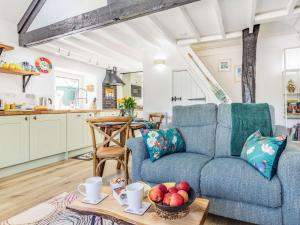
(47, 135)
(14, 140)
(76, 131)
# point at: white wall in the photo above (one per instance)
(42, 85)
(157, 80)
(272, 40)
(211, 58)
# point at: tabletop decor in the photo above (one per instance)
(127, 106)
(172, 201)
(43, 65)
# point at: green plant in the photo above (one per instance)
(129, 103)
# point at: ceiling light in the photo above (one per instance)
(159, 62)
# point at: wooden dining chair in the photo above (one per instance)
(111, 128)
(157, 118)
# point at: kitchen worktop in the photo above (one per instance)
(52, 111)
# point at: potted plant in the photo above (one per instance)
(127, 104)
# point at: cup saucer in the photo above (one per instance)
(141, 211)
(95, 202)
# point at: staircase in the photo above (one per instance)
(202, 76)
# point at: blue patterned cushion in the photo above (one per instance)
(263, 152)
(162, 142)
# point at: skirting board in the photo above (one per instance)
(8, 171)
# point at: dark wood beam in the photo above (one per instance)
(114, 12)
(30, 14)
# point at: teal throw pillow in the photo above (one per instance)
(263, 153)
(162, 142)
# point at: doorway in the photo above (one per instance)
(185, 91)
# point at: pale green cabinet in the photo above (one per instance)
(47, 135)
(14, 140)
(76, 131)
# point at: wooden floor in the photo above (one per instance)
(25, 190)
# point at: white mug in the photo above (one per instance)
(135, 195)
(93, 187)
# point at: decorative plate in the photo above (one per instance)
(43, 65)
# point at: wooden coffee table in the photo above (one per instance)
(110, 208)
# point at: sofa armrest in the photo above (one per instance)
(289, 175)
(139, 154)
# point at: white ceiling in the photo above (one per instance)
(125, 44)
(14, 10)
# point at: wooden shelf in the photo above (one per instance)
(19, 72)
(26, 75)
(6, 48)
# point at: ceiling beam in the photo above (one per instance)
(252, 15)
(116, 40)
(209, 38)
(291, 6)
(29, 15)
(275, 16)
(114, 52)
(92, 54)
(218, 12)
(190, 22)
(51, 48)
(155, 21)
(142, 35)
(115, 12)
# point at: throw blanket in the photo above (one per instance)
(246, 119)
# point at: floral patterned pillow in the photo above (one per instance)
(162, 142)
(263, 152)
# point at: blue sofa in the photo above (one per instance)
(234, 188)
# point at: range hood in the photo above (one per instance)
(112, 78)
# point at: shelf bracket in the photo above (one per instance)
(25, 81)
(1, 50)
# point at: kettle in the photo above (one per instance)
(43, 101)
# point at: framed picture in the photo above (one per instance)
(238, 74)
(225, 65)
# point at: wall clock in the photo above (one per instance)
(43, 65)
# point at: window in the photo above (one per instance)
(66, 92)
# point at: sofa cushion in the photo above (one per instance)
(175, 168)
(263, 152)
(162, 142)
(197, 124)
(223, 132)
(234, 179)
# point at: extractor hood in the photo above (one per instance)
(112, 78)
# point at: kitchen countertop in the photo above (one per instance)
(53, 111)
(57, 111)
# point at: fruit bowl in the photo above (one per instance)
(173, 209)
(192, 197)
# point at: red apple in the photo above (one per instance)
(184, 195)
(156, 195)
(183, 185)
(163, 188)
(176, 200)
(167, 199)
(173, 190)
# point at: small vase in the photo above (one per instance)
(129, 112)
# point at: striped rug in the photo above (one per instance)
(54, 212)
